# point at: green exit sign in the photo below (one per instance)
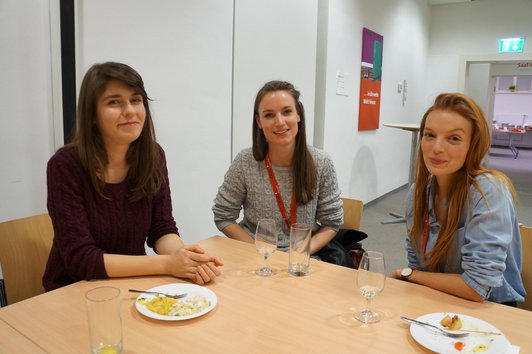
(511, 45)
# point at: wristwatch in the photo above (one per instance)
(405, 273)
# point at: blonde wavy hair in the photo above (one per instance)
(463, 179)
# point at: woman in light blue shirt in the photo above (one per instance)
(463, 233)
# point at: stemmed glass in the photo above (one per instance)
(266, 244)
(371, 275)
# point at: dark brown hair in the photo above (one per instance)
(305, 175)
(143, 157)
(462, 179)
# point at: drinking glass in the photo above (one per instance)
(266, 244)
(105, 324)
(371, 275)
(299, 253)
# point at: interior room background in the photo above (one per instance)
(203, 62)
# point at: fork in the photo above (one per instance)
(179, 296)
(442, 331)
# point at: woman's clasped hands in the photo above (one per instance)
(192, 262)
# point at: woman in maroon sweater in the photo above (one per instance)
(108, 191)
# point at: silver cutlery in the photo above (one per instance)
(441, 330)
(179, 296)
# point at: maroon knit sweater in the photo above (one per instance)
(86, 225)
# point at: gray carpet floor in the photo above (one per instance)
(389, 238)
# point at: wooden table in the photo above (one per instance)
(279, 314)
(12, 341)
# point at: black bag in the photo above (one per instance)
(344, 249)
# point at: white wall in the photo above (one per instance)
(372, 163)
(26, 110)
(183, 50)
(468, 30)
(478, 85)
(26, 139)
(273, 40)
(513, 108)
(203, 78)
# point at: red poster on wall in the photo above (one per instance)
(370, 80)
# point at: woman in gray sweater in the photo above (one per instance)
(279, 162)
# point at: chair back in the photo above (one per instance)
(352, 214)
(24, 247)
(526, 273)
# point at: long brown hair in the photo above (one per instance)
(459, 187)
(143, 157)
(305, 175)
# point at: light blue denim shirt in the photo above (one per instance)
(487, 240)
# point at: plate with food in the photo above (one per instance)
(198, 301)
(483, 337)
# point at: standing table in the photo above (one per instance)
(414, 129)
(512, 133)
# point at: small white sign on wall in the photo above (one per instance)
(340, 84)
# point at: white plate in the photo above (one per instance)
(430, 339)
(174, 289)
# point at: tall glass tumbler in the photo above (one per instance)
(299, 253)
(105, 323)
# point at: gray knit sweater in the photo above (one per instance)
(246, 184)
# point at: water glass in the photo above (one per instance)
(105, 323)
(299, 254)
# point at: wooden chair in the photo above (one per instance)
(352, 214)
(24, 247)
(526, 273)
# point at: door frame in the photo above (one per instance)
(467, 60)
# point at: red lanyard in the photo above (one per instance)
(425, 232)
(278, 196)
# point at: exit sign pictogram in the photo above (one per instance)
(511, 45)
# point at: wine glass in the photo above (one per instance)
(266, 244)
(371, 275)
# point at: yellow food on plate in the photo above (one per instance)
(160, 304)
(171, 307)
(480, 348)
(452, 323)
